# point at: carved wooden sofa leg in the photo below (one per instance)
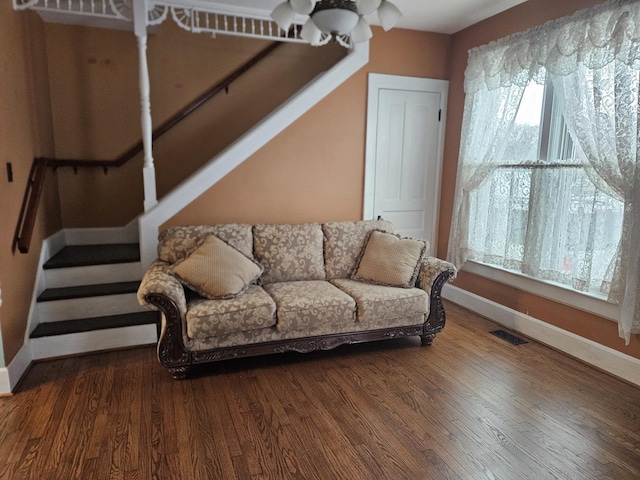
(427, 339)
(179, 373)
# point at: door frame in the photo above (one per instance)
(379, 82)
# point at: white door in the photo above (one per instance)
(404, 140)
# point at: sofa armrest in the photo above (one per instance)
(157, 280)
(430, 269)
(162, 291)
(434, 273)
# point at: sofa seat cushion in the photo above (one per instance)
(305, 304)
(344, 242)
(252, 310)
(289, 253)
(378, 303)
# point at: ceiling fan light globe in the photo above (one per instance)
(303, 7)
(388, 14)
(365, 7)
(283, 15)
(336, 20)
(310, 33)
(362, 32)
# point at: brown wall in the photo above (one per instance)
(25, 132)
(96, 104)
(517, 19)
(314, 170)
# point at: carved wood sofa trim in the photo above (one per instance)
(178, 360)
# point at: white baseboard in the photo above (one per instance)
(602, 357)
(11, 375)
(5, 384)
(74, 344)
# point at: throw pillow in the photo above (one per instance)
(389, 259)
(216, 270)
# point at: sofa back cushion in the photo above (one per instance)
(390, 260)
(343, 243)
(216, 270)
(177, 243)
(289, 252)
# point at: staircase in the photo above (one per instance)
(78, 312)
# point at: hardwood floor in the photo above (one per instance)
(470, 406)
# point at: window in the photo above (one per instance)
(539, 213)
(548, 177)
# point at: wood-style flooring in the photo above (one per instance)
(470, 406)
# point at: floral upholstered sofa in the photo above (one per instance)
(235, 290)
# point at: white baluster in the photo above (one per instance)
(148, 171)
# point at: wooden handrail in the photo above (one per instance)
(174, 120)
(29, 208)
(31, 200)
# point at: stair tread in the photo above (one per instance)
(84, 291)
(65, 327)
(85, 255)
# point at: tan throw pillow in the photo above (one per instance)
(216, 270)
(388, 259)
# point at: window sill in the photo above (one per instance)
(588, 302)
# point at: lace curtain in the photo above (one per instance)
(601, 111)
(593, 58)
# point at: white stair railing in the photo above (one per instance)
(195, 17)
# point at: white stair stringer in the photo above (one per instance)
(243, 148)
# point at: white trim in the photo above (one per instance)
(5, 384)
(92, 274)
(93, 341)
(11, 375)
(224, 9)
(556, 292)
(88, 307)
(377, 82)
(602, 357)
(247, 145)
(50, 246)
(96, 236)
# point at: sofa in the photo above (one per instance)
(235, 290)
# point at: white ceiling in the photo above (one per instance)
(442, 16)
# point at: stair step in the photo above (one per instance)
(93, 274)
(83, 291)
(66, 327)
(85, 255)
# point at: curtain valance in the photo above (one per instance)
(593, 38)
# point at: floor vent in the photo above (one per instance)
(508, 337)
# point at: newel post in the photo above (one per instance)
(148, 171)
